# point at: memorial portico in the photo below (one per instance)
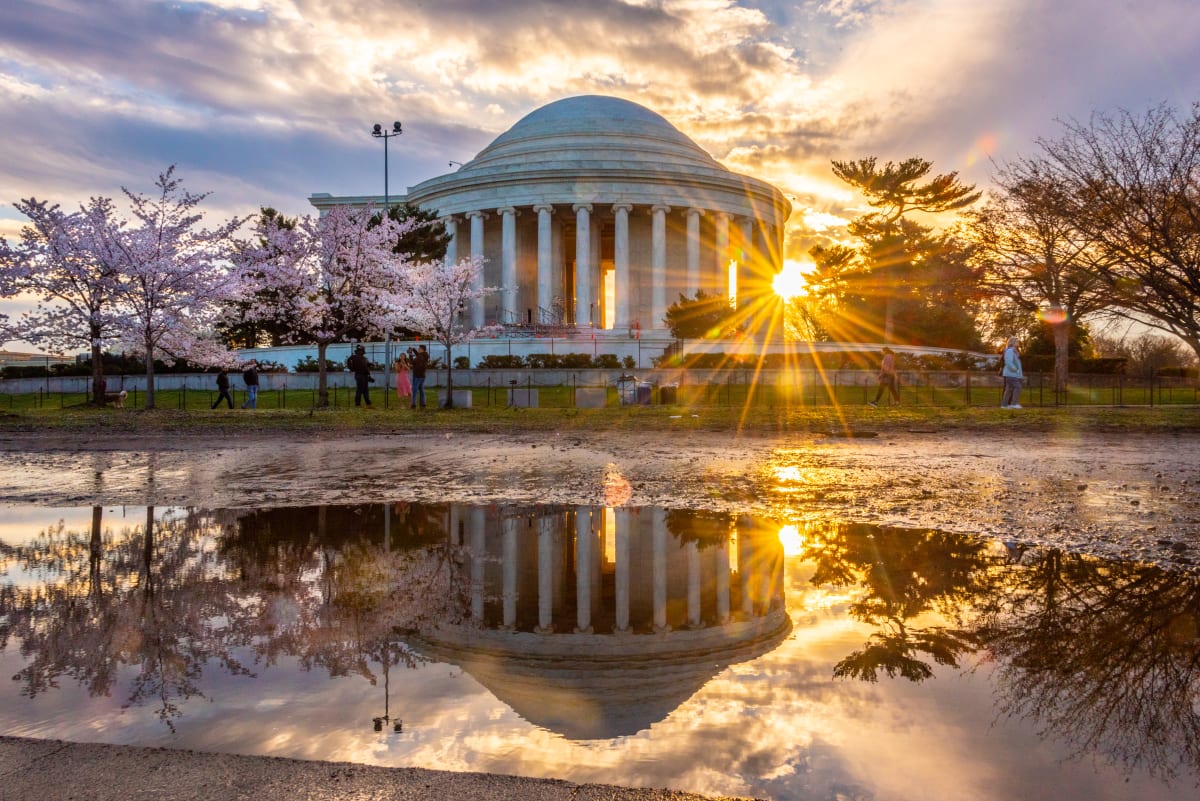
(597, 213)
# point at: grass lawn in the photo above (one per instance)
(722, 409)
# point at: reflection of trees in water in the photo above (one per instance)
(159, 598)
(1101, 655)
(144, 596)
(905, 575)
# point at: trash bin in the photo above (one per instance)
(643, 393)
(668, 393)
(627, 389)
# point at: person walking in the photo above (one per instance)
(223, 388)
(361, 367)
(250, 379)
(1013, 376)
(403, 379)
(419, 366)
(888, 380)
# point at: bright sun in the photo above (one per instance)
(790, 282)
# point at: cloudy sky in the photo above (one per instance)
(263, 102)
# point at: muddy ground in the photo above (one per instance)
(1127, 495)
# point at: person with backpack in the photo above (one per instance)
(223, 388)
(250, 379)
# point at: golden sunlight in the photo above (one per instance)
(790, 282)
(791, 540)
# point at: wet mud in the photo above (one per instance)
(1132, 496)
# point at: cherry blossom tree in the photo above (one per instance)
(333, 276)
(172, 275)
(432, 299)
(62, 262)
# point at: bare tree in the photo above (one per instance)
(1132, 184)
(1036, 259)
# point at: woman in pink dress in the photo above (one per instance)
(403, 382)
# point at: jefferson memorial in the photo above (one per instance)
(595, 213)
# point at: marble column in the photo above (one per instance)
(622, 319)
(748, 248)
(583, 263)
(658, 266)
(477, 218)
(508, 265)
(451, 224)
(584, 554)
(693, 585)
(509, 579)
(545, 575)
(693, 251)
(545, 260)
(659, 561)
(621, 573)
(722, 249)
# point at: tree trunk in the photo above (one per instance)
(889, 319)
(98, 388)
(149, 375)
(148, 551)
(322, 385)
(449, 404)
(1062, 364)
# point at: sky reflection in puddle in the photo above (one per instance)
(714, 653)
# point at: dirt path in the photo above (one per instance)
(1131, 495)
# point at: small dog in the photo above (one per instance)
(116, 399)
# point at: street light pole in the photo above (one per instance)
(379, 133)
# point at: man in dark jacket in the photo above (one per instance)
(250, 379)
(419, 365)
(361, 368)
(223, 388)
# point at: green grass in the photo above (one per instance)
(733, 408)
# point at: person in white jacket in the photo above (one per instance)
(1013, 376)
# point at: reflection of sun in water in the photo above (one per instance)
(792, 541)
(787, 474)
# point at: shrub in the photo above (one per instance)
(629, 363)
(606, 361)
(575, 361)
(462, 363)
(543, 361)
(501, 362)
(310, 365)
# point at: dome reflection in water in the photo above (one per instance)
(631, 645)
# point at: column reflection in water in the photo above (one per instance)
(661, 570)
(509, 598)
(546, 573)
(612, 636)
(624, 522)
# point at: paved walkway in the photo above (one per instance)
(53, 770)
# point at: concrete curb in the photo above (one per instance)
(43, 770)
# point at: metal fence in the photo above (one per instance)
(561, 389)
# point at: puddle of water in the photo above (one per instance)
(716, 653)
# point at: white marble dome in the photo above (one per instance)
(595, 132)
